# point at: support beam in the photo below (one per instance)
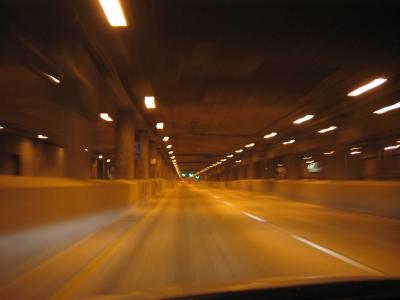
(124, 146)
(142, 167)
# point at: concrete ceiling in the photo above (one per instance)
(224, 73)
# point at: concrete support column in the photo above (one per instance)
(292, 167)
(250, 167)
(78, 136)
(153, 159)
(124, 146)
(143, 165)
(336, 165)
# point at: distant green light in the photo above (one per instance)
(197, 177)
(184, 174)
(190, 174)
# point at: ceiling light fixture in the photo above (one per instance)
(238, 161)
(100, 157)
(270, 135)
(52, 78)
(392, 147)
(113, 12)
(355, 148)
(307, 157)
(288, 142)
(42, 137)
(172, 157)
(355, 152)
(165, 139)
(160, 125)
(329, 152)
(106, 117)
(86, 149)
(250, 145)
(229, 156)
(1, 127)
(171, 152)
(149, 102)
(387, 108)
(330, 128)
(239, 150)
(303, 119)
(224, 159)
(108, 160)
(168, 146)
(373, 84)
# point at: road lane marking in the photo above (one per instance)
(335, 254)
(255, 217)
(314, 245)
(228, 203)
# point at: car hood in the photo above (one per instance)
(265, 283)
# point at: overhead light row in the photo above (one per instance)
(373, 84)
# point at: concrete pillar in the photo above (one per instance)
(142, 167)
(124, 146)
(336, 165)
(250, 167)
(292, 166)
(153, 159)
(77, 136)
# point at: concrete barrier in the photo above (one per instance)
(26, 202)
(380, 198)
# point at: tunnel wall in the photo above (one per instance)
(27, 202)
(380, 198)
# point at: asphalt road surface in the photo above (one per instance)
(194, 239)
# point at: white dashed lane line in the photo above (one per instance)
(312, 244)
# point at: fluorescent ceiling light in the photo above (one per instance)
(355, 152)
(309, 161)
(170, 152)
(329, 152)
(172, 157)
(270, 135)
(387, 108)
(373, 84)
(239, 150)
(355, 148)
(1, 127)
(168, 146)
(105, 117)
(303, 119)
(100, 156)
(113, 12)
(331, 128)
(250, 145)
(288, 142)
(224, 159)
(160, 125)
(165, 139)
(108, 160)
(392, 147)
(86, 149)
(230, 155)
(307, 157)
(238, 161)
(218, 162)
(42, 137)
(149, 102)
(52, 78)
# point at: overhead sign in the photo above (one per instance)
(314, 167)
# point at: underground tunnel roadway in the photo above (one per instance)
(195, 239)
